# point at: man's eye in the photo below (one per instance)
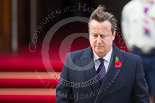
(103, 36)
(95, 36)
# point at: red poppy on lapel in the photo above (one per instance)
(118, 63)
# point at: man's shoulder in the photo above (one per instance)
(130, 56)
(126, 55)
(81, 53)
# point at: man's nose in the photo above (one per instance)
(99, 40)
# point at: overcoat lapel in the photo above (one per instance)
(90, 73)
(112, 74)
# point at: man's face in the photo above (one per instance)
(101, 37)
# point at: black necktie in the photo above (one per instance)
(101, 70)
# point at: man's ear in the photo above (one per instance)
(114, 34)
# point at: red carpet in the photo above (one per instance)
(24, 79)
(27, 99)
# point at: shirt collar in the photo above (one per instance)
(107, 57)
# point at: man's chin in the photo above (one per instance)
(100, 52)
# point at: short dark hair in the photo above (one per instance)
(100, 15)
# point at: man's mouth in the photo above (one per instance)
(99, 46)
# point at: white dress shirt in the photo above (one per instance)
(133, 22)
(107, 59)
